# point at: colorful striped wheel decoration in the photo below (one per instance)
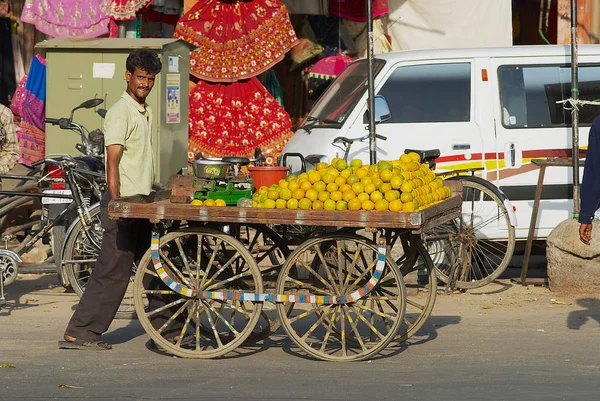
(254, 297)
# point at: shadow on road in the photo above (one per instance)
(22, 293)
(590, 311)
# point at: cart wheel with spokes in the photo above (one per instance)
(341, 332)
(464, 250)
(269, 251)
(421, 289)
(200, 259)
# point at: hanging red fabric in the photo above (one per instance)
(235, 118)
(236, 39)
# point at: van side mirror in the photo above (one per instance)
(382, 110)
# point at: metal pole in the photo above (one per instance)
(575, 111)
(371, 84)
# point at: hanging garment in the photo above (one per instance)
(125, 10)
(68, 18)
(356, 10)
(235, 118)
(8, 83)
(18, 57)
(236, 39)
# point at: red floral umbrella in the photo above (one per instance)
(235, 118)
(236, 39)
(329, 67)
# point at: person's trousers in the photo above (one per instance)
(122, 244)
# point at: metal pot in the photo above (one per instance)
(210, 169)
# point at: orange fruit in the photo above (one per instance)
(356, 163)
(285, 194)
(407, 187)
(406, 197)
(281, 204)
(298, 194)
(283, 183)
(384, 165)
(363, 196)
(341, 165)
(385, 187)
(332, 187)
(339, 180)
(396, 182)
(292, 203)
(329, 204)
(369, 188)
(408, 207)
(322, 166)
(313, 176)
(405, 159)
(317, 205)
(348, 194)
(196, 202)
(368, 205)
(414, 157)
(220, 202)
(269, 204)
(381, 205)
(386, 175)
(361, 172)
(335, 196)
(346, 173)
(344, 188)
(263, 190)
(293, 185)
(358, 188)
(341, 205)
(328, 178)
(354, 204)
(304, 203)
(376, 195)
(391, 195)
(352, 180)
(323, 196)
(365, 180)
(311, 194)
(395, 206)
(306, 185)
(273, 194)
(210, 202)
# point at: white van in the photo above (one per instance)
(494, 108)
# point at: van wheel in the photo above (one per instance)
(462, 250)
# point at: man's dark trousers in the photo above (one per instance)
(122, 244)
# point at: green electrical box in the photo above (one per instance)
(81, 69)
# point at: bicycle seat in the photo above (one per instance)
(242, 161)
(425, 155)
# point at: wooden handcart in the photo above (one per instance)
(224, 277)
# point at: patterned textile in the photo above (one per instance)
(236, 39)
(356, 10)
(29, 104)
(125, 10)
(9, 152)
(32, 143)
(234, 119)
(68, 18)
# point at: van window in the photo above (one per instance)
(429, 93)
(529, 95)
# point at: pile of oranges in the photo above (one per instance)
(398, 185)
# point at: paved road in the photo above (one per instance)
(499, 343)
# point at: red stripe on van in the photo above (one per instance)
(528, 154)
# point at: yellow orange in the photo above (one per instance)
(406, 197)
(273, 194)
(319, 186)
(414, 157)
(291, 177)
(210, 202)
(292, 203)
(322, 166)
(196, 202)
(298, 194)
(358, 188)
(407, 187)
(391, 195)
(341, 205)
(285, 194)
(329, 204)
(356, 163)
(363, 196)
(306, 185)
(385, 187)
(344, 188)
(293, 185)
(335, 196)
(280, 204)
(396, 182)
(269, 204)
(323, 196)
(328, 178)
(376, 195)
(354, 204)
(361, 172)
(369, 188)
(341, 165)
(381, 205)
(317, 205)
(386, 175)
(395, 206)
(311, 194)
(368, 205)
(340, 180)
(314, 176)
(348, 194)
(283, 183)
(408, 207)
(332, 187)
(304, 204)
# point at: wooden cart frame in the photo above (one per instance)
(203, 290)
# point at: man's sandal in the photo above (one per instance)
(84, 345)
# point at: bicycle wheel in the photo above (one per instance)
(201, 260)
(465, 250)
(79, 256)
(341, 332)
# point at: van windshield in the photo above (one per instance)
(338, 101)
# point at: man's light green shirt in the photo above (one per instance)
(129, 124)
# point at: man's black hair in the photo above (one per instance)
(145, 60)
